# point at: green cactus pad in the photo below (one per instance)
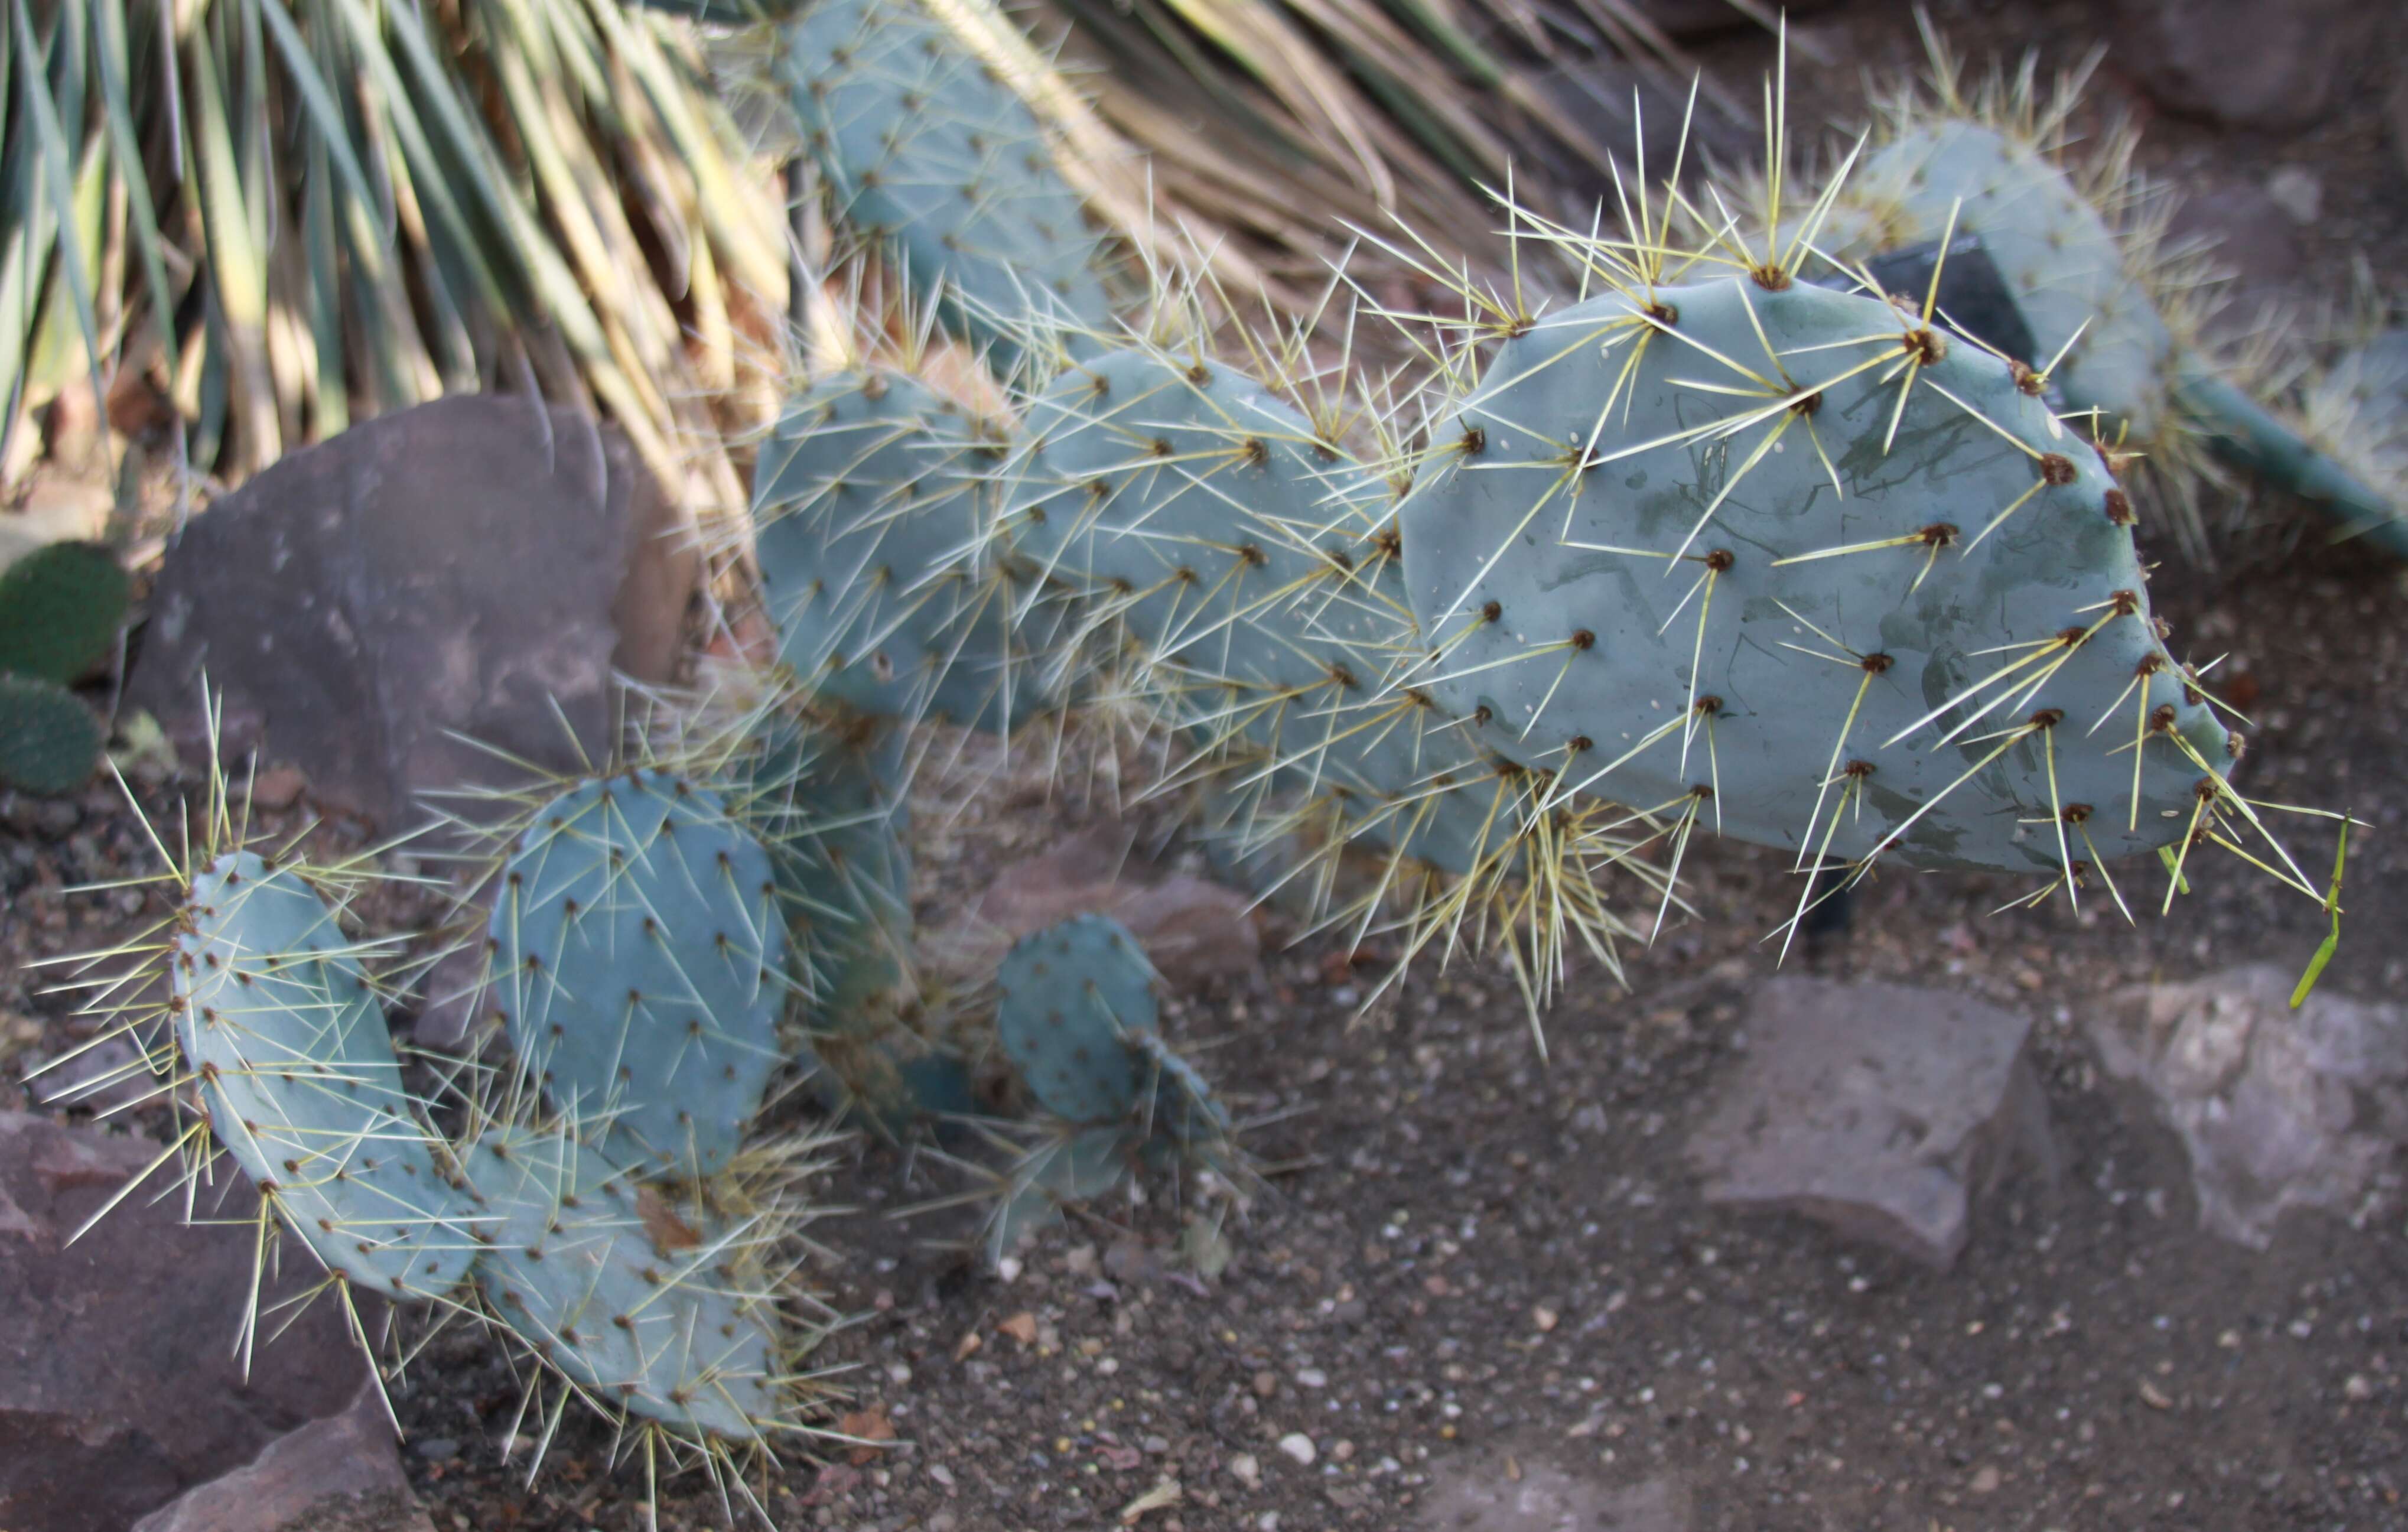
(60, 609)
(1693, 556)
(927, 150)
(639, 967)
(49, 739)
(274, 1017)
(869, 507)
(626, 1294)
(1068, 999)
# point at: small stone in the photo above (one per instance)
(1298, 1446)
(2358, 1388)
(2153, 1397)
(1544, 1318)
(1021, 1326)
(1266, 1383)
(436, 1449)
(1312, 1378)
(2297, 191)
(277, 787)
(1246, 1469)
(1985, 1480)
(1157, 1445)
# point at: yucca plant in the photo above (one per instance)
(287, 214)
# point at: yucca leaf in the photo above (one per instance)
(55, 179)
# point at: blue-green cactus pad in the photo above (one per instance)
(927, 149)
(1247, 556)
(1068, 999)
(2067, 269)
(633, 1303)
(871, 509)
(832, 814)
(1538, 547)
(276, 1019)
(639, 961)
(1062, 1170)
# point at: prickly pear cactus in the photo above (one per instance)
(870, 513)
(928, 151)
(49, 739)
(1252, 561)
(1069, 1000)
(1063, 1169)
(830, 808)
(2338, 437)
(275, 1020)
(1796, 563)
(639, 967)
(60, 609)
(2079, 289)
(627, 1293)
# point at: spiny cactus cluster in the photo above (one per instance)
(60, 611)
(1468, 657)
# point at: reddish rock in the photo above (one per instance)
(340, 1474)
(1882, 1110)
(462, 568)
(119, 1387)
(1196, 933)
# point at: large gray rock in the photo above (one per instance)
(2244, 64)
(341, 1472)
(119, 1387)
(2279, 1109)
(1881, 1111)
(461, 569)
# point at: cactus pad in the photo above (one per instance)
(639, 967)
(274, 1017)
(620, 1290)
(927, 149)
(2071, 272)
(1793, 563)
(1249, 558)
(1071, 997)
(60, 609)
(49, 739)
(869, 505)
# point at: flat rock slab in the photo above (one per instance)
(461, 569)
(1882, 1110)
(341, 1472)
(120, 1388)
(2279, 1109)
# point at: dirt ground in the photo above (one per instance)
(1477, 1279)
